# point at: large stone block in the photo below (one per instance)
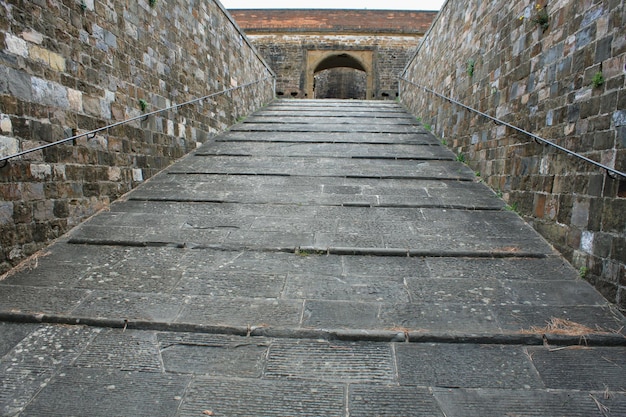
(8, 145)
(49, 93)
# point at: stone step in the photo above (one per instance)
(334, 191)
(261, 147)
(111, 371)
(363, 138)
(328, 127)
(277, 111)
(325, 167)
(331, 120)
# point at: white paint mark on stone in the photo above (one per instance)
(137, 175)
(586, 241)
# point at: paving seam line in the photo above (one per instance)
(352, 335)
(319, 250)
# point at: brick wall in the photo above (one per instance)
(70, 66)
(500, 58)
(334, 20)
(286, 54)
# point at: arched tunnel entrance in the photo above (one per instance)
(339, 74)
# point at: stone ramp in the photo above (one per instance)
(349, 268)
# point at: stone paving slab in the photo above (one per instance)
(12, 334)
(318, 191)
(296, 104)
(244, 398)
(345, 362)
(344, 150)
(34, 360)
(21, 298)
(463, 366)
(308, 291)
(110, 349)
(115, 305)
(328, 127)
(97, 392)
(328, 167)
(536, 318)
(431, 232)
(392, 401)
(371, 120)
(531, 403)
(246, 312)
(420, 138)
(241, 360)
(103, 372)
(475, 269)
(575, 367)
(378, 112)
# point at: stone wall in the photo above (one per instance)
(341, 83)
(291, 40)
(556, 69)
(289, 56)
(71, 66)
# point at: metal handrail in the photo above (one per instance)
(613, 173)
(92, 133)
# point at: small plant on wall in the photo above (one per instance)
(471, 64)
(598, 80)
(541, 17)
(152, 2)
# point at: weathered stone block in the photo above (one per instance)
(18, 84)
(16, 45)
(6, 213)
(32, 191)
(40, 171)
(618, 249)
(8, 145)
(61, 209)
(43, 210)
(49, 93)
(580, 213)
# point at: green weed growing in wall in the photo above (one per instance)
(143, 104)
(152, 2)
(471, 64)
(514, 207)
(597, 80)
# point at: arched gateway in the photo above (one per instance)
(339, 84)
(335, 53)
